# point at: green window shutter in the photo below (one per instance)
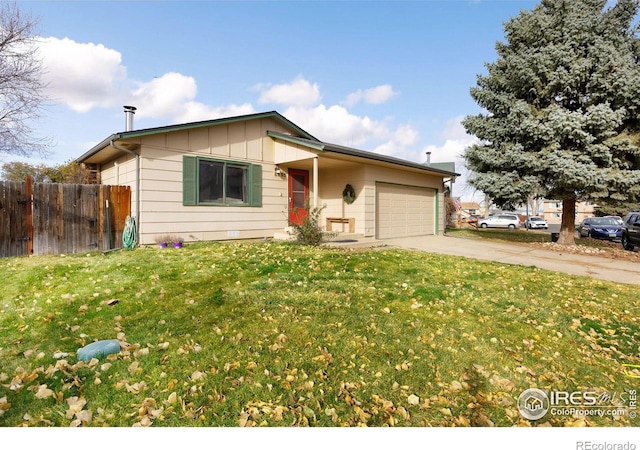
(256, 185)
(189, 180)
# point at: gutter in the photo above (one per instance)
(137, 156)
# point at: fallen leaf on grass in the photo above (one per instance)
(141, 352)
(136, 388)
(197, 375)
(43, 392)
(133, 367)
(4, 405)
(329, 412)
(76, 405)
(244, 420)
(362, 415)
(173, 397)
(579, 422)
(503, 383)
(462, 421)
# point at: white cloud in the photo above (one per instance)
(456, 140)
(195, 111)
(172, 96)
(400, 144)
(406, 135)
(374, 96)
(85, 76)
(82, 76)
(298, 92)
(336, 125)
(163, 96)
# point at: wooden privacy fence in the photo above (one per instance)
(52, 218)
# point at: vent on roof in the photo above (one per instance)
(129, 111)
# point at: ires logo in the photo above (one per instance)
(562, 398)
(534, 403)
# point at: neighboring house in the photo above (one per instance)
(468, 210)
(553, 211)
(250, 176)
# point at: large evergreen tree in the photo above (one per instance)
(562, 108)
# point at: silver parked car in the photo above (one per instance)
(510, 221)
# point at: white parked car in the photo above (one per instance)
(536, 222)
(510, 221)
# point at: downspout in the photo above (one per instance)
(137, 156)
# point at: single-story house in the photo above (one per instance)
(251, 176)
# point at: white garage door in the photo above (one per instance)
(404, 211)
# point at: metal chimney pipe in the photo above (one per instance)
(129, 111)
(428, 158)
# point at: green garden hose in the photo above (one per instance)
(129, 233)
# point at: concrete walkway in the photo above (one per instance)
(620, 271)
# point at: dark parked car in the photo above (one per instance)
(631, 230)
(600, 228)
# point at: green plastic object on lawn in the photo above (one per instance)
(98, 349)
(129, 233)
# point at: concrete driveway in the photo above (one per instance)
(620, 271)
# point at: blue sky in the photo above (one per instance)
(389, 77)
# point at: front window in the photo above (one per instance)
(208, 181)
(236, 185)
(211, 182)
(222, 182)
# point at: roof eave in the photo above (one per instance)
(97, 148)
(295, 140)
(360, 153)
(149, 131)
(205, 123)
(387, 159)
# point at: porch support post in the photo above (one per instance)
(315, 182)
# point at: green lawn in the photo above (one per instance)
(274, 334)
(497, 234)
(522, 235)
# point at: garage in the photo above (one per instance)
(403, 211)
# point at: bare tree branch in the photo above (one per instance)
(21, 86)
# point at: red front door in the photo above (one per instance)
(298, 195)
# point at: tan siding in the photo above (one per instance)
(155, 140)
(163, 212)
(237, 140)
(369, 194)
(268, 149)
(199, 141)
(286, 152)
(179, 139)
(254, 140)
(219, 138)
(332, 183)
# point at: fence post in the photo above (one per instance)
(29, 203)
